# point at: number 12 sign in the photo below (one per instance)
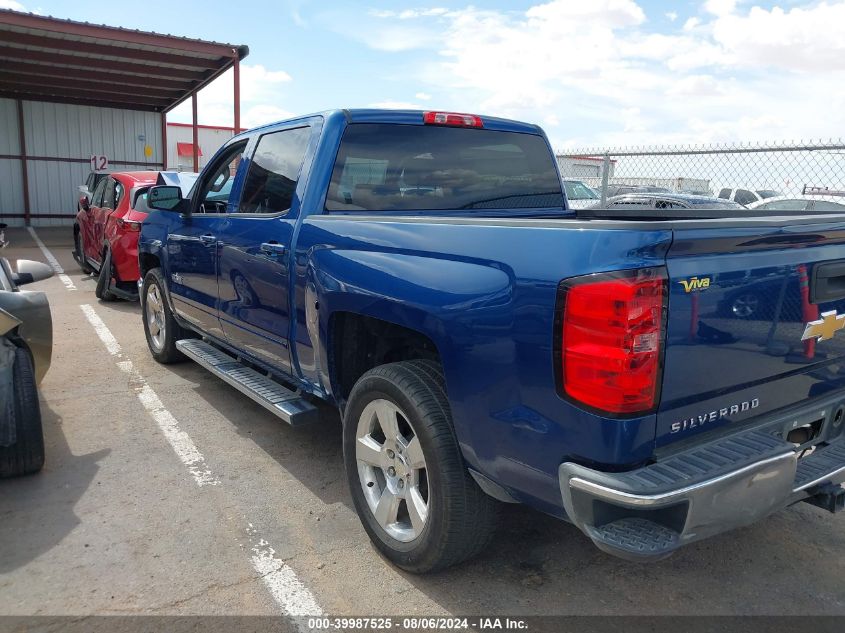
(99, 162)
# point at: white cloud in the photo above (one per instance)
(423, 96)
(11, 4)
(801, 39)
(261, 89)
(396, 105)
(611, 13)
(671, 16)
(691, 23)
(257, 115)
(732, 73)
(409, 14)
(720, 7)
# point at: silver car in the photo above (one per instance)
(26, 343)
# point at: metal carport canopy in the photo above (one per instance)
(50, 59)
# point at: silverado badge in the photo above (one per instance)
(824, 328)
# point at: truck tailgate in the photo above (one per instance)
(740, 300)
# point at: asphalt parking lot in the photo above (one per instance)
(168, 492)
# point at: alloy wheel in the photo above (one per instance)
(392, 470)
(154, 307)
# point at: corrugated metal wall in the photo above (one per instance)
(210, 140)
(60, 138)
(11, 181)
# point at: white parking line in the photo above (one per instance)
(181, 443)
(287, 590)
(280, 579)
(54, 263)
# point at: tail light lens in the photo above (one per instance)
(611, 340)
(129, 225)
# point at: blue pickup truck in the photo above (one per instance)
(484, 343)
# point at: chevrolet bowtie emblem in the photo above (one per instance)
(824, 328)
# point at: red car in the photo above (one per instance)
(105, 234)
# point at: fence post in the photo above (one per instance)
(605, 174)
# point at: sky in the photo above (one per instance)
(593, 73)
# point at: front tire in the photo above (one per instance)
(26, 455)
(160, 327)
(410, 486)
(77, 245)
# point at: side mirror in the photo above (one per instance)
(29, 272)
(84, 203)
(166, 198)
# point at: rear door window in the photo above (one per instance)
(577, 190)
(108, 196)
(725, 193)
(97, 195)
(387, 167)
(824, 205)
(273, 173)
(784, 205)
(744, 196)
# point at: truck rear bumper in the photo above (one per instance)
(710, 488)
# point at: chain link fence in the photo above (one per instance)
(744, 173)
(783, 173)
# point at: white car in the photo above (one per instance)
(800, 203)
(579, 195)
(747, 197)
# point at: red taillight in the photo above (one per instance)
(612, 339)
(129, 225)
(452, 118)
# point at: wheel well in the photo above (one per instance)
(147, 262)
(360, 343)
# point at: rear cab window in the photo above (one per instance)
(394, 167)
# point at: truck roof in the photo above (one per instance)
(404, 117)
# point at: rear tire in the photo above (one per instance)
(77, 246)
(160, 327)
(102, 291)
(26, 455)
(453, 519)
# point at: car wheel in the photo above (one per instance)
(104, 279)
(77, 245)
(160, 327)
(26, 454)
(410, 486)
(745, 306)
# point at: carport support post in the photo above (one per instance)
(24, 171)
(164, 141)
(236, 68)
(195, 130)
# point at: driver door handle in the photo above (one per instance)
(272, 248)
(207, 239)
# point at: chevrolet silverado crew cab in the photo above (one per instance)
(422, 272)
